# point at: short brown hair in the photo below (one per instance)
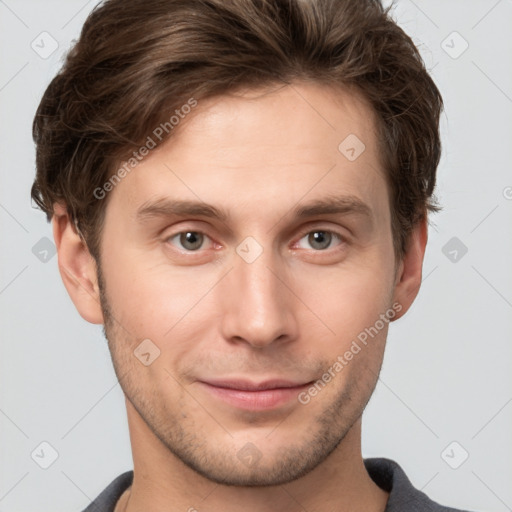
(136, 61)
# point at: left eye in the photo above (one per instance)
(319, 240)
(188, 240)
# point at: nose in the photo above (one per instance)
(257, 306)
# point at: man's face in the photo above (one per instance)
(278, 288)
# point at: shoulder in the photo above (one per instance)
(108, 498)
(403, 496)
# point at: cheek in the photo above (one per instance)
(155, 301)
(350, 298)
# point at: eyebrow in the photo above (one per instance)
(169, 207)
(334, 205)
(166, 207)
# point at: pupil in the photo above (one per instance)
(320, 239)
(191, 240)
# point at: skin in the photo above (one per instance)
(258, 156)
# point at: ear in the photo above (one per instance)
(77, 267)
(409, 272)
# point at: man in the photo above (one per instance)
(239, 193)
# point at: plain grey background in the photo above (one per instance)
(445, 391)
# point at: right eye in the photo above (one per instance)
(188, 240)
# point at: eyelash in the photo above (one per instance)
(179, 233)
(335, 235)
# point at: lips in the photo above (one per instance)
(245, 385)
(251, 395)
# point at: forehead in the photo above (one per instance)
(262, 144)
(301, 115)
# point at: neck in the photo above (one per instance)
(162, 482)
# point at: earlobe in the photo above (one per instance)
(76, 266)
(409, 274)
